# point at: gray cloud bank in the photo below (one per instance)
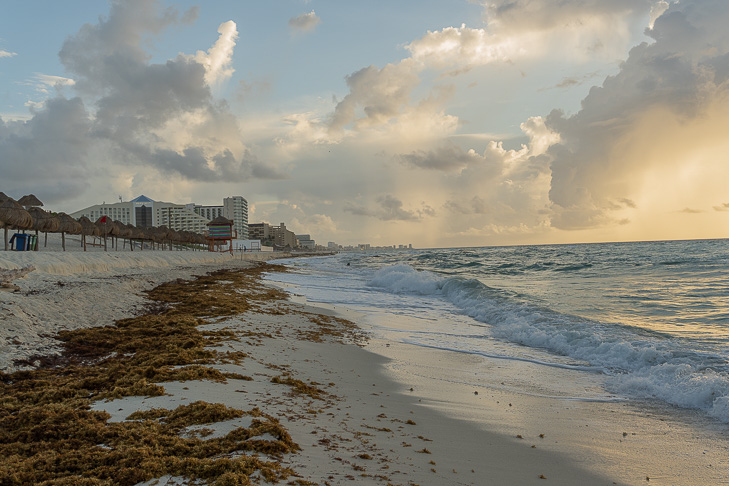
(128, 112)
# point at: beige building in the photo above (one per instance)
(144, 212)
(277, 236)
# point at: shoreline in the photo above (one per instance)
(628, 441)
(365, 429)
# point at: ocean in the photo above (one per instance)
(646, 321)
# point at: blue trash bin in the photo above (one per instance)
(20, 241)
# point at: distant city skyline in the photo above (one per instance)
(444, 124)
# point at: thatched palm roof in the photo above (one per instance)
(88, 228)
(69, 225)
(124, 231)
(44, 221)
(29, 200)
(13, 214)
(160, 233)
(108, 228)
(221, 220)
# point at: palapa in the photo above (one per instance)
(107, 228)
(29, 201)
(136, 234)
(124, 231)
(13, 215)
(43, 221)
(221, 220)
(87, 229)
(68, 225)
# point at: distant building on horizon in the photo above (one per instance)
(305, 241)
(144, 212)
(277, 236)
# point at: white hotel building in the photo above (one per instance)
(144, 212)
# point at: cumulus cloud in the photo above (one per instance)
(7, 54)
(47, 154)
(130, 114)
(652, 126)
(530, 29)
(304, 22)
(376, 95)
(390, 208)
(722, 207)
(217, 60)
(657, 9)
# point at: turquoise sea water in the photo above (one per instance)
(650, 318)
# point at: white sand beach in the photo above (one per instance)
(74, 288)
(375, 422)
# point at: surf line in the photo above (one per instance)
(589, 369)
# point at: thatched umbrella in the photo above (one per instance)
(87, 229)
(13, 215)
(43, 221)
(107, 228)
(138, 234)
(175, 237)
(68, 225)
(121, 232)
(161, 234)
(29, 201)
(131, 234)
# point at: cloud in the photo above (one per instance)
(376, 95)
(723, 207)
(304, 22)
(691, 211)
(475, 205)
(657, 9)
(132, 116)
(44, 84)
(390, 208)
(653, 126)
(48, 153)
(532, 29)
(575, 81)
(191, 15)
(217, 60)
(7, 54)
(447, 157)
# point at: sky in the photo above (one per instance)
(436, 123)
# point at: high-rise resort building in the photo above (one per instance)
(144, 212)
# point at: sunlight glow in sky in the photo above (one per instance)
(456, 123)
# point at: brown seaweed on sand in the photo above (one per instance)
(49, 434)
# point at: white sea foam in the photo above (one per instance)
(637, 363)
